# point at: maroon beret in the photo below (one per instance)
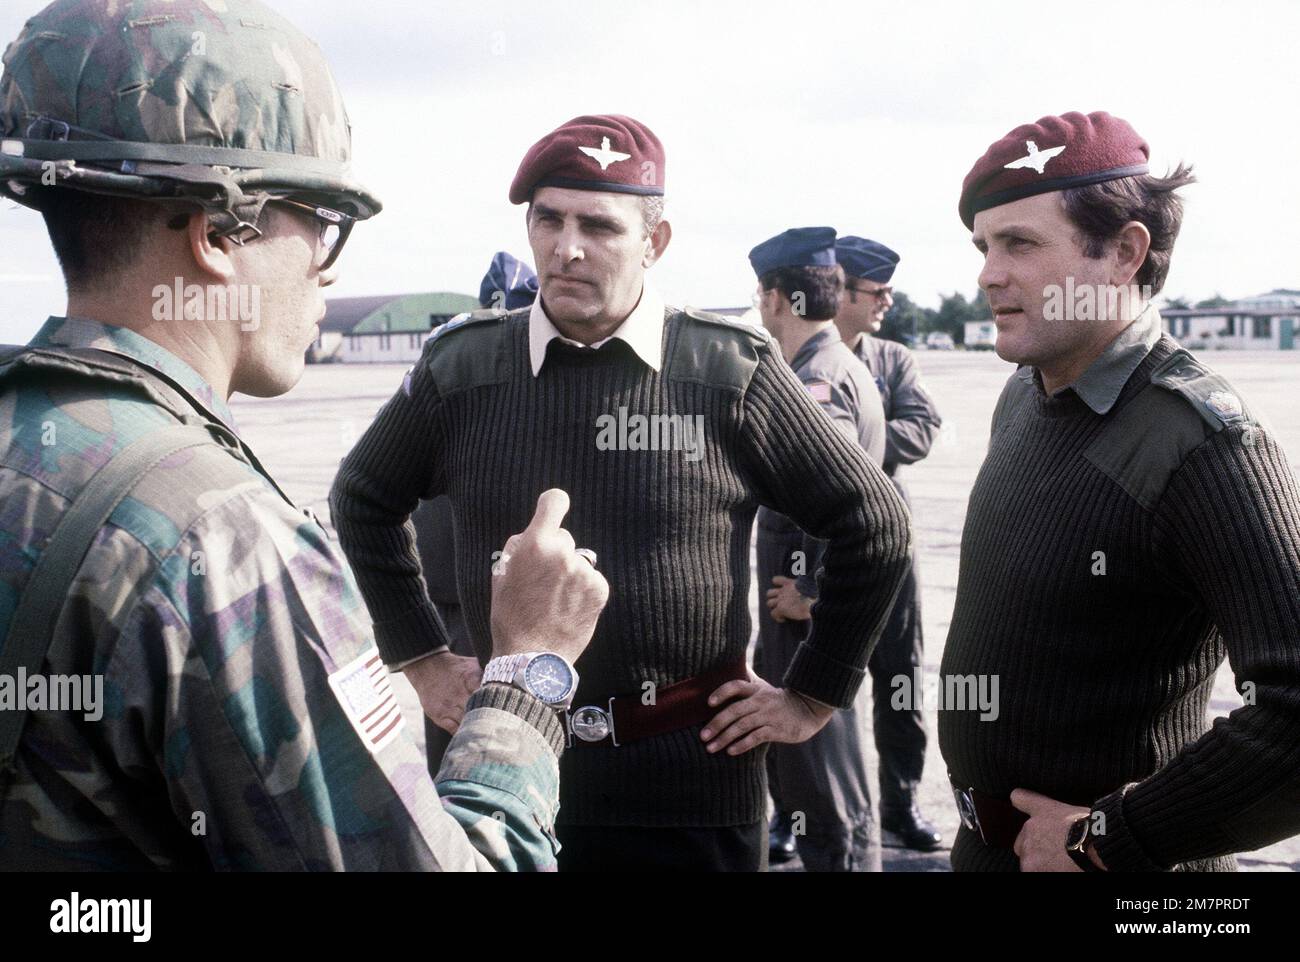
(593, 152)
(1057, 152)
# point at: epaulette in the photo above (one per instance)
(756, 331)
(465, 320)
(1209, 394)
(717, 351)
(1147, 439)
(456, 363)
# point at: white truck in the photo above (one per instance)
(980, 335)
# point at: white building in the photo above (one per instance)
(1265, 322)
(379, 347)
(361, 330)
(342, 314)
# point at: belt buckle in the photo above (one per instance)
(966, 809)
(592, 724)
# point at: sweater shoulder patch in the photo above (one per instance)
(468, 350)
(1147, 440)
(714, 350)
(755, 331)
(1208, 393)
(461, 321)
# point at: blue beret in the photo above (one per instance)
(511, 277)
(866, 259)
(797, 247)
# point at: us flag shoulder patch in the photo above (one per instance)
(363, 690)
(820, 391)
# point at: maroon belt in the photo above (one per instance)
(995, 820)
(626, 718)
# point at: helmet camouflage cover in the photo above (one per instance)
(219, 102)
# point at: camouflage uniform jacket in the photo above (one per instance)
(235, 657)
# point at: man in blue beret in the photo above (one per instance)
(911, 425)
(820, 786)
(509, 283)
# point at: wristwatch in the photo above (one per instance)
(543, 674)
(1076, 841)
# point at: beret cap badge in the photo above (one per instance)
(603, 155)
(628, 160)
(1054, 153)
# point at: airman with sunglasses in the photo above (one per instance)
(911, 425)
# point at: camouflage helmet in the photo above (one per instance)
(223, 103)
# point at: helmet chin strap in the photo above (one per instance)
(232, 212)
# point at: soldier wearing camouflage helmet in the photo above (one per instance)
(238, 714)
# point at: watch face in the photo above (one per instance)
(548, 677)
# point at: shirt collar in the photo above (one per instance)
(77, 332)
(812, 346)
(1100, 385)
(643, 331)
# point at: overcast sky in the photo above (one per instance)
(864, 116)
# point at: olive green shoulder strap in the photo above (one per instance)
(1207, 392)
(469, 350)
(1149, 438)
(713, 349)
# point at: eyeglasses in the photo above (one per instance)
(880, 293)
(335, 227)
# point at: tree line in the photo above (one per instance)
(908, 322)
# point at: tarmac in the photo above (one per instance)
(302, 436)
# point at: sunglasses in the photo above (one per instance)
(879, 293)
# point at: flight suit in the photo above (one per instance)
(911, 424)
(822, 783)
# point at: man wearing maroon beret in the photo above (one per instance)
(1130, 527)
(668, 428)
